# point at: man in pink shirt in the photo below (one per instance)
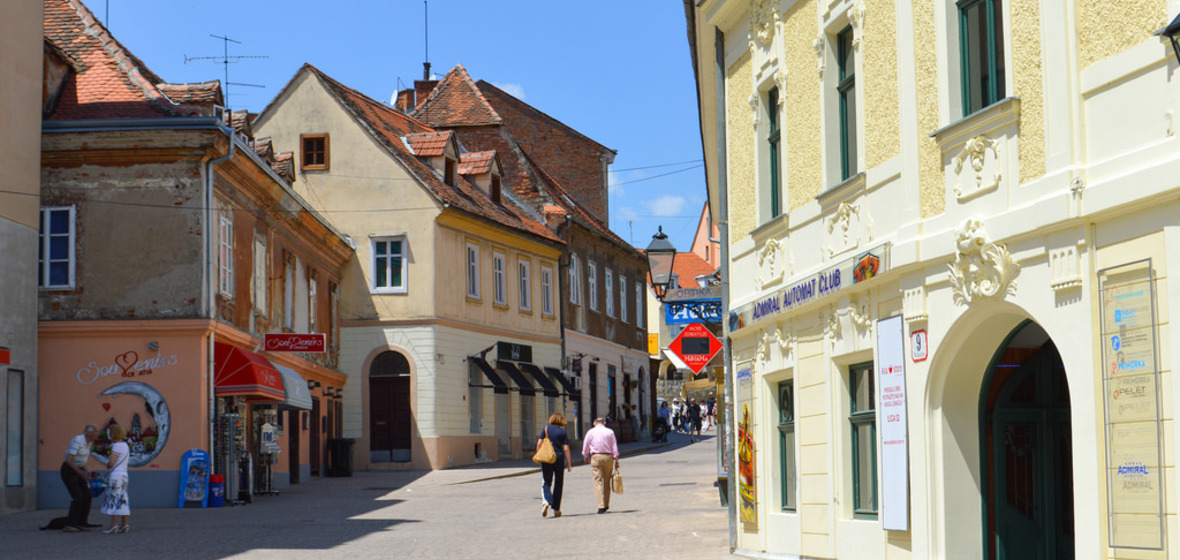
(601, 450)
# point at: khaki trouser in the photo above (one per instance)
(603, 466)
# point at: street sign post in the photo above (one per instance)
(696, 346)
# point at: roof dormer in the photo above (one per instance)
(440, 150)
(482, 169)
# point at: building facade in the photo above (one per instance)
(951, 232)
(21, 55)
(450, 330)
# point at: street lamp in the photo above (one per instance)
(660, 256)
(1171, 31)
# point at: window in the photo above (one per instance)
(473, 271)
(522, 274)
(258, 282)
(289, 293)
(495, 190)
(981, 49)
(623, 298)
(592, 283)
(15, 422)
(499, 289)
(55, 250)
(639, 315)
(389, 265)
(846, 88)
(312, 301)
(547, 291)
(226, 258)
(449, 171)
(786, 443)
(575, 281)
(863, 420)
(772, 145)
(314, 151)
(333, 313)
(610, 293)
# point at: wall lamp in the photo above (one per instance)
(312, 384)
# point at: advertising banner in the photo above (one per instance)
(895, 479)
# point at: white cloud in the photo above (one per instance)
(613, 186)
(666, 206)
(515, 90)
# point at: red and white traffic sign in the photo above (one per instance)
(696, 346)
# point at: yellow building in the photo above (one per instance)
(449, 322)
(949, 229)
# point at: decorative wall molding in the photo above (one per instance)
(764, 17)
(755, 104)
(847, 228)
(832, 324)
(856, 15)
(860, 309)
(780, 80)
(763, 351)
(770, 264)
(820, 48)
(985, 171)
(785, 339)
(1066, 266)
(982, 268)
(914, 305)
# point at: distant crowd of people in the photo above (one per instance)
(689, 416)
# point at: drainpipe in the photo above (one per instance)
(209, 289)
(559, 309)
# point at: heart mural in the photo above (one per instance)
(106, 406)
(126, 360)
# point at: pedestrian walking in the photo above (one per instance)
(601, 450)
(116, 503)
(77, 480)
(694, 420)
(677, 417)
(553, 473)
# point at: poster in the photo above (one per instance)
(194, 479)
(1135, 505)
(747, 491)
(895, 480)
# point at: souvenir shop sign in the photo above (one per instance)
(895, 479)
(829, 282)
(296, 342)
(1134, 458)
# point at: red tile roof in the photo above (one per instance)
(475, 163)
(456, 101)
(390, 127)
(688, 266)
(109, 81)
(429, 144)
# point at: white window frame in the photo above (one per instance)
(640, 319)
(389, 258)
(592, 284)
(499, 279)
(289, 293)
(473, 271)
(225, 256)
(609, 281)
(44, 260)
(259, 287)
(623, 298)
(547, 291)
(526, 289)
(575, 281)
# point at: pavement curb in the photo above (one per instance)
(535, 470)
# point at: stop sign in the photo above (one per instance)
(695, 346)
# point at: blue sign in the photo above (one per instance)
(194, 479)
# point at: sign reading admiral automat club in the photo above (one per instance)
(295, 342)
(696, 346)
(812, 288)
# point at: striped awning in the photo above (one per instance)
(547, 386)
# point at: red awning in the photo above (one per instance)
(242, 372)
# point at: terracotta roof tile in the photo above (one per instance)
(456, 101)
(110, 82)
(475, 163)
(388, 126)
(429, 144)
(688, 266)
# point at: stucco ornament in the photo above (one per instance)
(847, 228)
(770, 266)
(860, 310)
(763, 350)
(832, 322)
(754, 102)
(763, 20)
(856, 17)
(780, 80)
(975, 151)
(982, 268)
(785, 339)
(819, 46)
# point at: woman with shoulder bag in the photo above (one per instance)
(554, 473)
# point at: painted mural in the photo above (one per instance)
(142, 411)
(745, 456)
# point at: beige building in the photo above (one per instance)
(21, 48)
(449, 316)
(950, 229)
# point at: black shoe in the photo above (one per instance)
(601, 510)
(93, 525)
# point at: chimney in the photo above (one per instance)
(423, 88)
(405, 100)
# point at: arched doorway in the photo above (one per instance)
(1026, 451)
(390, 416)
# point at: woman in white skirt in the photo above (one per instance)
(115, 504)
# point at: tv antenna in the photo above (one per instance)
(225, 59)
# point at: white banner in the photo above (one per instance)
(891, 408)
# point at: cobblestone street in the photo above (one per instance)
(670, 509)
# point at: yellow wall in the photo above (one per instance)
(879, 51)
(804, 143)
(1104, 31)
(1029, 86)
(931, 186)
(20, 121)
(743, 189)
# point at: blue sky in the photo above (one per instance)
(619, 71)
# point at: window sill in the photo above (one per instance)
(852, 184)
(500, 305)
(524, 311)
(975, 149)
(474, 299)
(389, 291)
(1004, 112)
(774, 227)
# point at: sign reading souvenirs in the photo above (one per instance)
(1135, 502)
(826, 283)
(895, 479)
(293, 342)
(695, 346)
